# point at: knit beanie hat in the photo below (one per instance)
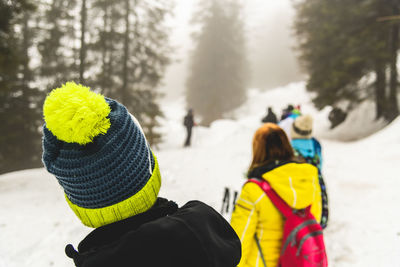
(302, 127)
(98, 152)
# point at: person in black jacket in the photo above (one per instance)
(188, 122)
(270, 117)
(287, 111)
(98, 152)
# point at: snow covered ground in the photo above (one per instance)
(36, 223)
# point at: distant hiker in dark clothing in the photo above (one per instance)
(286, 112)
(270, 117)
(111, 180)
(289, 115)
(188, 122)
(336, 117)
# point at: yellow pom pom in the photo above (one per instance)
(74, 114)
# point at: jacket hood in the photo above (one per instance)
(295, 183)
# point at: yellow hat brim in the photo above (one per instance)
(136, 204)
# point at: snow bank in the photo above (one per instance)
(387, 137)
(35, 221)
(359, 124)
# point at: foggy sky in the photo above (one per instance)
(268, 29)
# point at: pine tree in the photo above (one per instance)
(133, 62)
(218, 74)
(106, 45)
(145, 58)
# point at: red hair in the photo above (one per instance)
(270, 143)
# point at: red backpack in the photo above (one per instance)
(302, 243)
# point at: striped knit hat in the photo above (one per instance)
(99, 155)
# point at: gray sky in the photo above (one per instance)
(268, 27)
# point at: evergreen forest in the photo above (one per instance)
(117, 47)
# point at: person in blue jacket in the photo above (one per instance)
(307, 148)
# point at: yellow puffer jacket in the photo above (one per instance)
(297, 184)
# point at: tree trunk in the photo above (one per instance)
(110, 56)
(82, 52)
(393, 108)
(105, 43)
(124, 88)
(381, 61)
(105, 58)
(380, 88)
(25, 47)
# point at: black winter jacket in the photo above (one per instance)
(270, 117)
(194, 235)
(188, 120)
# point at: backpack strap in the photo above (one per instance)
(278, 202)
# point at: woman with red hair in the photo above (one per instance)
(257, 222)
